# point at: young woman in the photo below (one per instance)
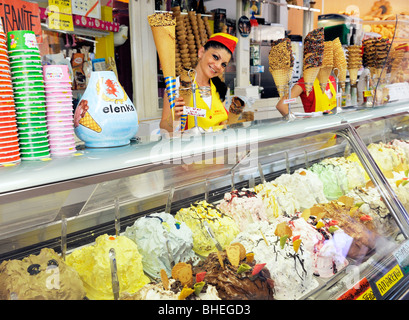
(214, 57)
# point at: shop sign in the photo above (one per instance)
(21, 15)
(59, 15)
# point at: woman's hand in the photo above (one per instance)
(178, 108)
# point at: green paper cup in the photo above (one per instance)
(21, 40)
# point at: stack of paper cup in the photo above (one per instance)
(29, 95)
(60, 116)
(9, 144)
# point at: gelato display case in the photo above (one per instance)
(315, 205)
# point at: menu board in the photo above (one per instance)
(87, 8)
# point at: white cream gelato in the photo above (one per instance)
(306, 187)
(161, 239)
(244, 207)
(291, 271)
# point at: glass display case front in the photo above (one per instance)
(307, 198)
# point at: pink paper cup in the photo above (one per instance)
(56, 73)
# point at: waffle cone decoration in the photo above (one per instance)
(354, 63)
(340, 62)
(163, 30)
(313, 57)
(309, 77)
(281, 79)
(327, 65)
(281, 64)
(375, 55)
(89, 122)
(397, 59)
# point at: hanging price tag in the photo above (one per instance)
(293, 100)
(367, 93)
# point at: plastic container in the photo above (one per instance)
(21, 40)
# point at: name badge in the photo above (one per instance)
(196, 112)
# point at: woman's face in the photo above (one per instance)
(213, 61)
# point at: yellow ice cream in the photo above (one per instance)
(93, 265)
(223, 226)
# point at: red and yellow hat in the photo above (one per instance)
(226, 39)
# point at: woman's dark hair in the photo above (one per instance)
(221, 87)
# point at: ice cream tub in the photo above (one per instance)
(34, 99)
(35, 147)
(6, 82)
(12, 148)
(58, 90)
(7, 108)
(58, 85)
(43, 139)
(8, 140)
(57, 101)
(16, 68)
(30, 109)
(31, 118)
(32, 129)
(63, 113)
(56, 73)
(25, 63)
(21, 40)
(27, 74)
(9, 153)
(28, 114)
(34, 155)
(23, 51)
(31, 125)
(25, 57)
(8, 135)
(7, 119)
(8, 160)
(26, 78)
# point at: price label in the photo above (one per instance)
(387, 282)
(402, 256)
(293, 100)
(196, 112)
(367, 93)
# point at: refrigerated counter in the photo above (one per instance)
(97, 191)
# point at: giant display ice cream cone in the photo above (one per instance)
(327, 65)
(323, 76)
(340, 62)
(163, 30)
(281, 78)
(281, 63)
(313, 57)
(310, 75)
(353, 76)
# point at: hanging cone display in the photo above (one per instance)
(340, 62)
(327, 65)
(313, 57)
(281, 64)
(354, 63)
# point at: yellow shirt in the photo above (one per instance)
(214, 115)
